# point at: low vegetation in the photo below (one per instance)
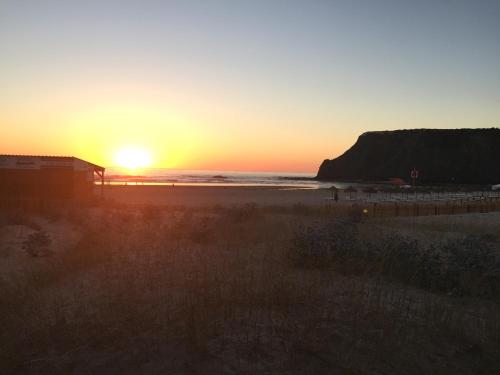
(37, 244)
(245, 290)
(469, 265)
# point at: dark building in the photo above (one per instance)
(47, 177)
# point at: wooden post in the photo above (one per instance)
(102, 184)
(101, 175)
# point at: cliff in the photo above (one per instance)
(468, 156)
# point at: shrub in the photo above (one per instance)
(470, 266)
(397, 256)
(429, 273)
(320, 244)
(37, 244)
(466, 266)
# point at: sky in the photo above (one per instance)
(240, 85)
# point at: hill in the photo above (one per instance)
(467, 156)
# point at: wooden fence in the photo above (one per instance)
(390, 209)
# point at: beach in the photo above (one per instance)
(258, 187)
(379, 204)
(208, 196)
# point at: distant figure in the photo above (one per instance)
(336, 196)
(173, 184)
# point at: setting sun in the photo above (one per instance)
(133, 158)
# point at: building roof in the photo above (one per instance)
(46, 161)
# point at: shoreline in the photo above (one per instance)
(320, 184)
(206, 185)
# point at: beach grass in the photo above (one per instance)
(248, 289)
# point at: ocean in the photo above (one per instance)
(163, 176)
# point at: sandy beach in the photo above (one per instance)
(210, 196)
(207, 196)
(249, 187)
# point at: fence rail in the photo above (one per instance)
(389, 209)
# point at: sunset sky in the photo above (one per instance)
(240, 85)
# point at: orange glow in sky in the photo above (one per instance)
(134, 128)
(230, 85)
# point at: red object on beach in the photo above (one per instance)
(397, 181)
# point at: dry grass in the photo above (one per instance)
(214, 291)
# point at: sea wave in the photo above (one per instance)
(212, 178)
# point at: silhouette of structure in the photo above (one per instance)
(48, 177)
